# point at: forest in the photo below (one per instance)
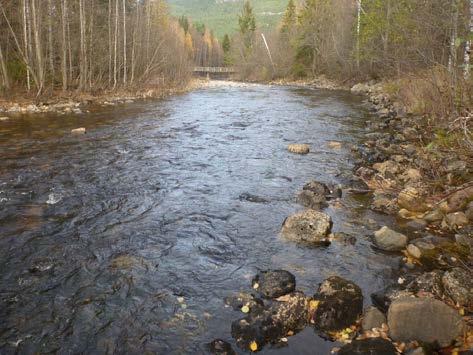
(49, 47)
(422, 47)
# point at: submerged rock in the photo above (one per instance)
(274, 283)
(372, 318)
(252, 198)
(220, 347)
(389, 240)
(339, 305)
(370, 346)
(425, 320)
(307, 226)
(299, 148)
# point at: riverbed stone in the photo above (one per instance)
(460, 199)
(425, 320)
(307, 226)
(372, 318)
(412, 199)
(433, 216)
(220, 347)
(455, 221)
(458, 285)
(287, 315)
(382, 299)
(369, 346)
(78, 131)
(311, 200)
(430, 282)
(469, 211)
(242, 299)
(274, 283)
(299, 148)
(339, 305)
(389, 240)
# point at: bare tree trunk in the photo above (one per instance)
(6, 80)
(38, 49)
(109, 42)
(358, 33)
(64, 46)
(26, 41)
(124, 43)
(50, 41)
(115, 67)
(91, 31)
(82, 56)
(466, 60)
(69, 48)
(452, 59)
(133, 48)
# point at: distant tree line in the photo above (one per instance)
(358, 38)
(204, 47)
(92, 45)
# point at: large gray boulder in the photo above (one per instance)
(308, 226)
(389, 240)
(426, 320)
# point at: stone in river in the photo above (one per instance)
(80, 130)
(220, 347)
(299, 148)
(339, 304)
(308, 226)
(389, 240)
(274, 283)
(372, 318)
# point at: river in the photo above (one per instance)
(127, 239)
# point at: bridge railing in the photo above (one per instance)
(214, 70)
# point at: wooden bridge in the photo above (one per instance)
(214, 70)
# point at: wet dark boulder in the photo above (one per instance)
(274, 283)
(252, 198)
(220, 347)
(241, 300)
(315, 194)
(286, 316)
(425, 320)
(370, 346)
(340, 304)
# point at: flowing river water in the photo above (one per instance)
(127, 239)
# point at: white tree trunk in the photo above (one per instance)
(38, 49)
(358, 30)
(124, 43)
(468, 45)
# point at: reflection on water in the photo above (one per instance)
(127, 239)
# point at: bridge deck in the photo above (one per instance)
(214, 70)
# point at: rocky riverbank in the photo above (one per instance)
(429, 308)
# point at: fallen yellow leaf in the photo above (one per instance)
(253, 346)
(245, 309)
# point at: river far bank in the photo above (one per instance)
(80, 103)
